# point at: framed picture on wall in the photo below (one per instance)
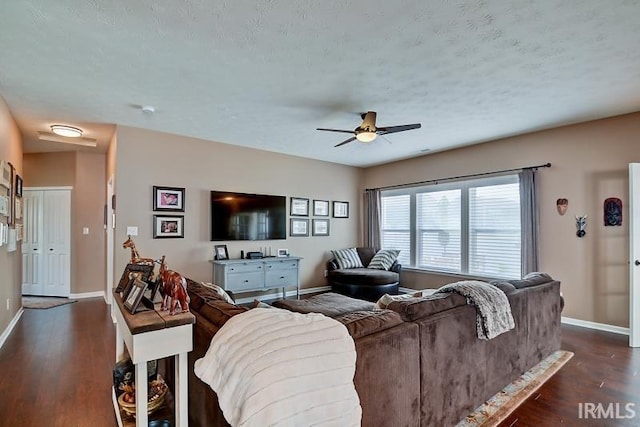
(341, 209)
(299, 227)
(320, 227)
(5, 174)
(320, 208)
(168, 226)
(168, 199)
(18, 189)
(299, 207)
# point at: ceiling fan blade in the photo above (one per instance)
(393, 129)
(335, 130)
(353, 138)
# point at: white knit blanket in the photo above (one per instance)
(272, 367)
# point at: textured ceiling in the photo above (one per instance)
(265, 74)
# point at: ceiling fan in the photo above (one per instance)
(368, 131)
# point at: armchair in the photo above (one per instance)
(364, 283)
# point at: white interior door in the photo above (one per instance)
(109, 232)
(46, 249)
(32, 281)
(634, 255)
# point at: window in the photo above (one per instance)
(466, 227)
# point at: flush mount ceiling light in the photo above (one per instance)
(68, 131)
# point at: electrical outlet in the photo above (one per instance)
(326, 272)
(8, 303)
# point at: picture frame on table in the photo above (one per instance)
(168, 226)
(299, 206)
(320, 227)
(299, 227)
(168, 199)
(132, 271)
(221, 252)
(283, 253)
(133, 298)
(320, 208)
(340, 209)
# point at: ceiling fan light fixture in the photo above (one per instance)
(68, 131)
(366, 136)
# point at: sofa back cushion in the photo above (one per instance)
(417, 308)
(347, 258)
(531, 279)
(362, 323)
(366, 254)
(210, 305)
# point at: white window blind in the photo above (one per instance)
(467, 227)
(396, 226)
(494, 231)
(439, 230)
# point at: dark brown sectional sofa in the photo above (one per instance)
(419, 363)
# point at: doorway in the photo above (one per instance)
(46, 245)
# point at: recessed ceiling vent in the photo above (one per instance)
(83, 141)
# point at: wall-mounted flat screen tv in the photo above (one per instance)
(241, 216)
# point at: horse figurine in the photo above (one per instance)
(135, 256)
(174, 288)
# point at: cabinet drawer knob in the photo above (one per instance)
(282, 277)
(246, 281)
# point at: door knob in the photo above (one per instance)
(637, 262)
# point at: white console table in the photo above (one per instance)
(151, 335)
(246, 275)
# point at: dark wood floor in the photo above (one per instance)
(56, 371)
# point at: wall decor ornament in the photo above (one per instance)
(562, 205)
(581, 224)
(168, 226)
(299, 206)
(612, 212)
(340, 209)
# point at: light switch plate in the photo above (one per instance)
(132, 231)
(85, 230)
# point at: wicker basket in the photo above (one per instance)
(152, 405)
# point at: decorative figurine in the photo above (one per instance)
(174, 288)
(135, 256)
(562, 205)
(612, 211)
(581, 224)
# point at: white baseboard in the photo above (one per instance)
(595, 325)
(279, 294)
(83, 295)
(12, 325)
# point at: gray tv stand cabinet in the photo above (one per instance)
(247, 275)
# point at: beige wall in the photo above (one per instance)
(85, 172)
(146, 158)
(589, 163)
(10, 262)
(49, 169)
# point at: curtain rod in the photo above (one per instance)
(435, 181)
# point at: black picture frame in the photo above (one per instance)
(220, 252)
(133, 298)
(340, 209)
(18, 190)
(153, 287)
(320, 227)
(320, 208)
(298, 206)
(168, 199)
(142, 271)
(299, 227)
(168, 226)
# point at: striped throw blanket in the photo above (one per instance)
(272, 367)
(493, 311)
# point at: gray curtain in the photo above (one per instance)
(372, 218)
(529, 221)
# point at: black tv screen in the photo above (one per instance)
(240, 216)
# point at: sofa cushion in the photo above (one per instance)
(417, 308)
(531, 279)
(363, 276)
(347, 258)
(504, 286)
(199, 294)
(362, 323)
(218, 311)
(218, 290)
(384, 259)
(366, 254)
(329, 304)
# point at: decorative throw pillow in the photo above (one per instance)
(217, 289)
(347, 258)
(387, 299)
(384, 259)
